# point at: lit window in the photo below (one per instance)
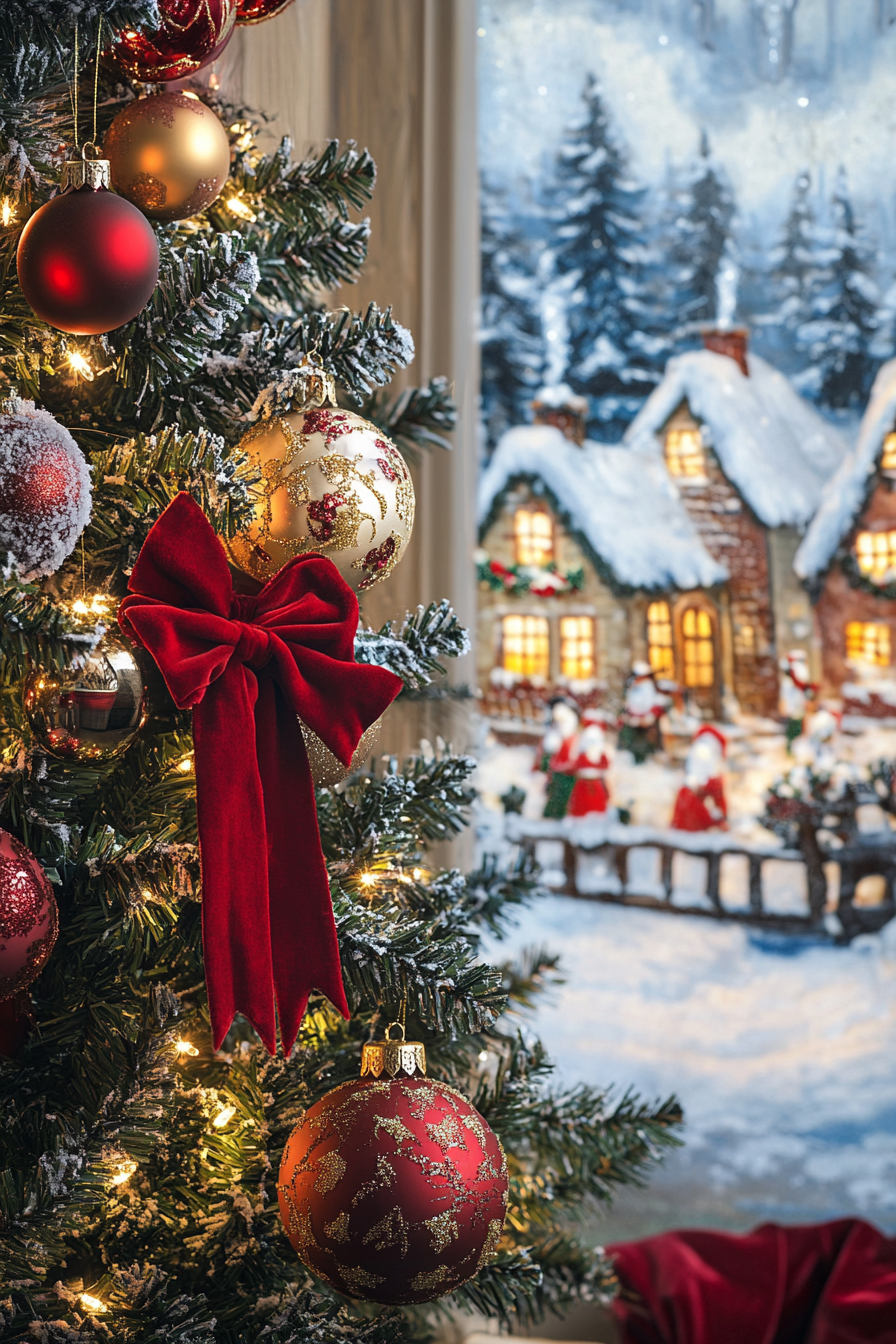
(577, 647)
(888, 457)
(868, 642)
(533, 536)
(659, 639)
(525, 645)
(745, 640)
(699, 654)
(876, 554)
(684, 453)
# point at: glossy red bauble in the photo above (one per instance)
(394, 1191)
(88, 261)
(28, 917)
(256, 11)
(191, 34)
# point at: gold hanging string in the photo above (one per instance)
(75, 89)
(96, 76)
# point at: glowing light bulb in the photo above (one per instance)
(81, 365)
(367, 879)
(146, 894)
(185, 1048)
(237, 206)
(483, 1056)
(80, 607)
(418, 874)
(93, 1303)
(226, 1113)
(186, 765)
(124, 1173)
(6, 211)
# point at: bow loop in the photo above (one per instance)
(250, 668)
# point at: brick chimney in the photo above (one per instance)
(561, 407)
(730, 341)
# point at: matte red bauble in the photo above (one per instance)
(168, 154)
(191, 34)
(393, 1189)
(255, 11)
(28, 917)
(88, 260)
(44, 489)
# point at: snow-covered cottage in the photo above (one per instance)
(750, 458)
(848, 560)
(674, 548)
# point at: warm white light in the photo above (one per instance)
(367, 879)
(185, 1048)
(186, 765)
(226, 1113)
(124, 1173)
(92, 1303)
(6, 211)
(80, 607)
(418, 874)
(483, 1056)
(237, 206)
(81, 365)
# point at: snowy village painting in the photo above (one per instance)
(687, 566)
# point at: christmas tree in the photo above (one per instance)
(139, 1186)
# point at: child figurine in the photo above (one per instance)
(700, 804)
(555, 756)
(643, 707)
(796, 692)
(590, 793)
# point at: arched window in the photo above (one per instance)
(533, 537)
(525, 646)
(698, 648)
(868, 642)
(577, 661)
(876, 555)
(659, 639)
(685, 455)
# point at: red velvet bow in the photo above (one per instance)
(250, 668)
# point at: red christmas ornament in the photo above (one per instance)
(88, 260)
(192, 33)
(394, 1189)
(256, 11)
(44, 489)
(28, 917)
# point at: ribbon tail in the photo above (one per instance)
(305, 949)
(235, 919)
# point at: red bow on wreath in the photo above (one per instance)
(250, 668)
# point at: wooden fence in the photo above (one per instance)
(867, 857)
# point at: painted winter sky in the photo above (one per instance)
(835, 103)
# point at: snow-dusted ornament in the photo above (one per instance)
(44, 490)
(331, 483)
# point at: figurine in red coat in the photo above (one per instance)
(590, 766)
(700, 804)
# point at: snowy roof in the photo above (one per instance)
(845, 493)
(622, 504)
(560, 395)
(772, 445)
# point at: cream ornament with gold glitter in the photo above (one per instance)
(331, 483)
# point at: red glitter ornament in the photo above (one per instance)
(44, 489)
(192, 33)
(88, 260)
(256, 11)
(394, 1189)
(28, 917)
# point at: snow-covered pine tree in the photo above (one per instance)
(836, 324)
(511, 335)
(126, 1213)
(700, 232)
(599, 223)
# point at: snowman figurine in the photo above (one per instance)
(590, 765)
(643, 707)
(556, 755)
(796, 692)
(700, 804)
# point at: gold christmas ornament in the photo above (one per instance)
(327, 769)
(331, 483)
(168, 154)
(91, 711)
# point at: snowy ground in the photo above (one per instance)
(781, 1050)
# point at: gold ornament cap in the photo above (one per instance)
(394, 1057)
(300, 389)
(84, 172)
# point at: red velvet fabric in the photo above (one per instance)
(832, 1283)
(250, 668)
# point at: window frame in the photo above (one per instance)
(590, 640)
(548, 555)
(524, 616)
(668, 622)
(859, 657)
